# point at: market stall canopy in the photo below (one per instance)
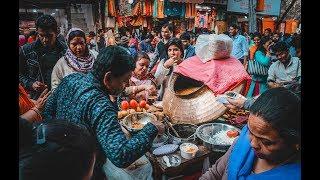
(188, 1)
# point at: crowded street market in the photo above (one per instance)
(159, 89)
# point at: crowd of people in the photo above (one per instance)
(70, 87)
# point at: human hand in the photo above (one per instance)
(235, 103)
(39, 86)
(170, 62)
(268, 54)
(41, 101)
(160, 126)
(151, 89)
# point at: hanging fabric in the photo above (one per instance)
(110, 22)
(148, 7)
(124, 8)
(137, 21)
(155, 9)
(121, 21)
(145, 22)
(106, 9)
(174, 9)
(111, 8)
(197, 20)
(135, 9)
(160, 9)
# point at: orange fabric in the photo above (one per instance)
(260, 5)
(268, 23)
(25, 104)
(111, 8)
(252, 50)
(137, 21)
(160, 9)
(148, 7)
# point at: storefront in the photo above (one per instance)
(65, 13)
(266, 14)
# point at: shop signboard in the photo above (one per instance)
(272, 7)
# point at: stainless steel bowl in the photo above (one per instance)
(140, 117)
(187, 133)
(207, 131)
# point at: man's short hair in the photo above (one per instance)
(169, 25)
(268, 29)
(149, 36)
(234, 26)
(46, 23)
(280, 47)
(185, 36)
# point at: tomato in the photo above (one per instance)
(133, 104)
(232, 133)
(142, 104)
(124, 105)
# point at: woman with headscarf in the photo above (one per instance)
(78, 57)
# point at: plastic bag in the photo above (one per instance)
(213, 46)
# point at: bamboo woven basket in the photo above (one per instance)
(197, 107)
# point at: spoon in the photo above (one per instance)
(166, 160)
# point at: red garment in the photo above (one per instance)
(219, 75)
(30, 39)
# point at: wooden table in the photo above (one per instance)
(187, 167)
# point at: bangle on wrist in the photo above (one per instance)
(36, 110)
(134, 89)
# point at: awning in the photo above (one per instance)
(188, 1)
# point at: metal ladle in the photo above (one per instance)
(166, 120)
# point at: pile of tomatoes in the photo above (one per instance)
(132, 107)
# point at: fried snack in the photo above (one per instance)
(122, 114)
(136, 125)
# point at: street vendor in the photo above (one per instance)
(86, 99)
(269, 145)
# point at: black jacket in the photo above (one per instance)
(36, 64)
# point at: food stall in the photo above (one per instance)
(199, 128)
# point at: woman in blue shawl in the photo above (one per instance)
(269, 145)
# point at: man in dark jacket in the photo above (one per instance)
(90, 99)
(36, 60)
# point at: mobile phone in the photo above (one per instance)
(223, 100)
(231, 95)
